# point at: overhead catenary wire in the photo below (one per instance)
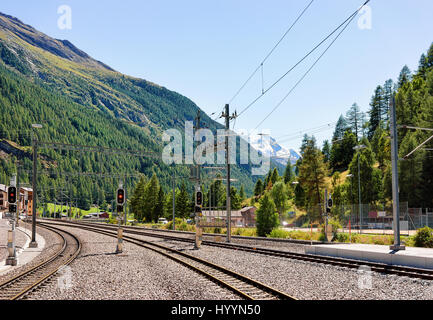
(344, 23)
(260, 66)
(296, 133)
(347, 23)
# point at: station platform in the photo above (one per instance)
(25, 254)
(411, 257)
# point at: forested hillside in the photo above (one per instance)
(79, 100)
(338, 159)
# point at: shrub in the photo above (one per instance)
(169, 225)
(279, 233)
(342, 237)
(112, 220)
(424, 237)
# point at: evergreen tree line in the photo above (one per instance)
(150, 200)
(413, 93)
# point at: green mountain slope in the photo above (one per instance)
(82, 101)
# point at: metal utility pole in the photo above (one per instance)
(226, 114)
(199, 231)
(125, 207)
(326, 214)
(34, 244)
(358, 148)
(18, 193)
(359, 196)
(228, 117)
(395, 190)
(174, 202)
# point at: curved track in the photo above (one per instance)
(27, 281)
(241, 285)
(426, 274)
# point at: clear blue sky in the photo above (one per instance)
(205, 49)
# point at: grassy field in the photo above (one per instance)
(76, 212)
(296, 234)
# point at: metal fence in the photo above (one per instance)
(371, 217)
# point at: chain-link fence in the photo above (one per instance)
(370, 217)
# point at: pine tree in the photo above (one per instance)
(137, 199)
(182, 203)
(411, 173)
(242, 193)
(258, 189)
(388, 92)
(404, 77)
(267, 217)
(275, 177)
(288, 173)
(326, 150)
(340, 129)
(370, 177)
(235, 200)
(159, 209)
(151, 198)
(376, 111)
(342, 152)
(312, 173)
(429, 57)
(355, 120)
(423, 66)
(279, 194)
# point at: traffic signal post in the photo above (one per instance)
(120, 199)
(198, 214)
(12, 200)
(328, 206)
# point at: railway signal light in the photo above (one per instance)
(12, 208)
(329, 205)
(12, 195)
(199, 198)
(120, 197)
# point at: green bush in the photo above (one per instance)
(112, 220)
(342, 237)
(279, 233)
(424, 237)
(169, 225)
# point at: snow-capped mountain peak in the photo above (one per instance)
(270, 147)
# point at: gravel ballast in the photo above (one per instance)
(137, 273)
(313, 281)
(303, 280)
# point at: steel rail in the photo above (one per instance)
(31, 278)
(241, 285)
(413, 272)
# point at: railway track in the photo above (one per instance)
(27, 281)
(241, 285)
(426, 274)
